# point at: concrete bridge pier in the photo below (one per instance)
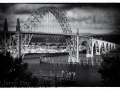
(5, 36)
(19, 39)
(78, 59)
(89, 53)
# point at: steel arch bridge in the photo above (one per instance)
(23, 35)
(32, 23)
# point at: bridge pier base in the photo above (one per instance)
(97, 53)
(89, 55)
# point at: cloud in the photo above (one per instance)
(4, 7)
(30, 8)
(96, 15)
(87, 17)
(69, 6)
(21, 11)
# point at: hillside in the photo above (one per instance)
(109, 37)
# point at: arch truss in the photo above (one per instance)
(32, 23)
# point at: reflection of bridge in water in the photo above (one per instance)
(17, 42)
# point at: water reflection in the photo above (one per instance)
(86, 72)
(96, 60)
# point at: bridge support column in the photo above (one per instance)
(5, 46)
(105, 48)
(5, 36)
(104, 51)
(19, 39)
(77, 61)
(99, 47)
(96, 52)
(89, 53)
(92, 46)
(114, 46)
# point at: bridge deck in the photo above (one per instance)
(41, 33)
(54, 34)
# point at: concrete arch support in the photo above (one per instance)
(96, 47)
(89, 52)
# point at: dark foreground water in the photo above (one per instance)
(86, 73)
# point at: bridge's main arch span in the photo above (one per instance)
(38, 15)
(32, 24)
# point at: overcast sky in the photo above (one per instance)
(89, 18)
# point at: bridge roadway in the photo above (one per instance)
(54, 34)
